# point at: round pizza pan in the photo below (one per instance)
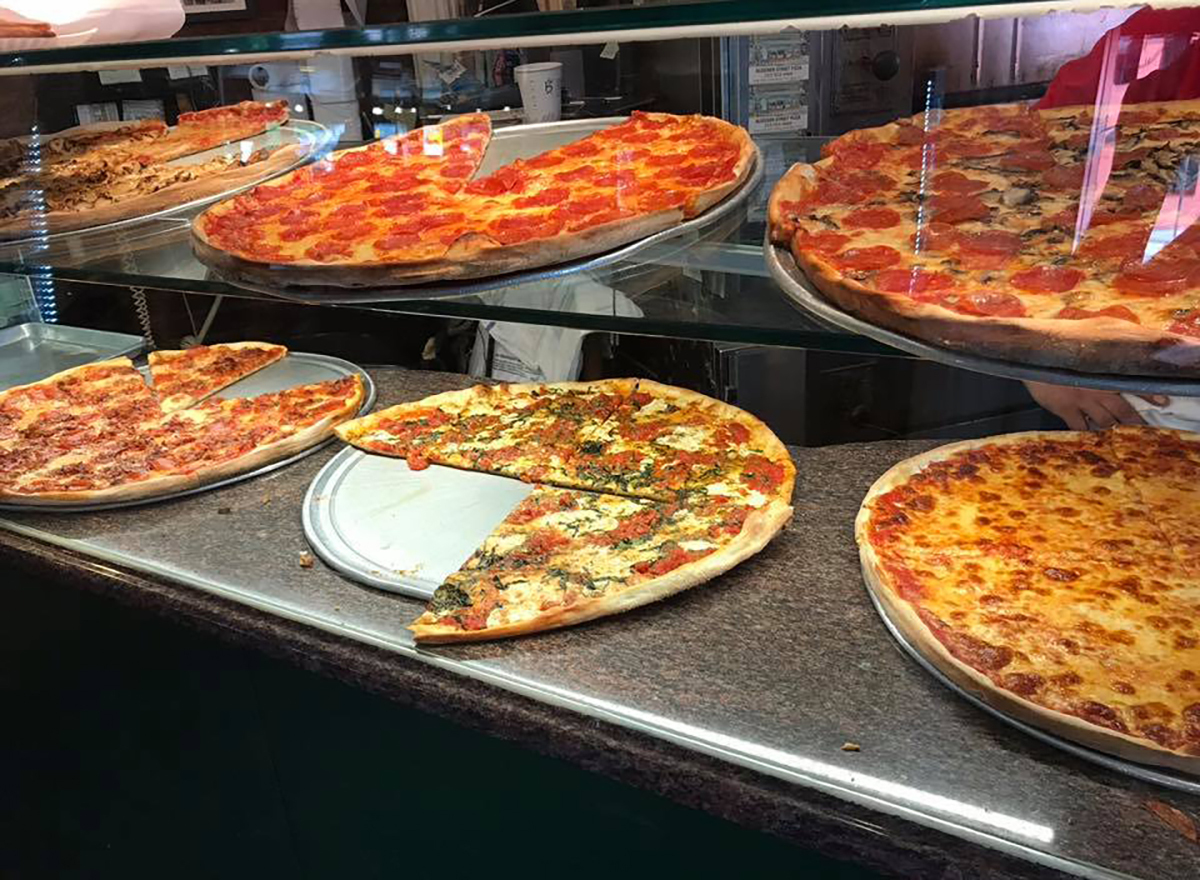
(802, 293)
(297, 368)
(683, 235)
(1158, 776)
(310, 137)
(383, 525)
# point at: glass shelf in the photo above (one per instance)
(716, 289)
(651, 21)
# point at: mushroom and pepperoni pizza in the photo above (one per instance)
(98, 433)
(1057, 576)
(642, 490)
(406, 209)
(1033, 235)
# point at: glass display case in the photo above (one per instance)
(887, 222)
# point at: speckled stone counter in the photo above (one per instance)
(735, 697)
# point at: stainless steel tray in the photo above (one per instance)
(383, 525)
(311, 137)
(29, 352)
(1159, 776)
(509, 144)
(800, 291)
(297, 368)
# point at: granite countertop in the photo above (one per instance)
(734, 697)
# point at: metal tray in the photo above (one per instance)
(1159, 776)
(297, 368)
(509, 144)
(29, 352)
(800, 291)
(312, 137)
(383, 525)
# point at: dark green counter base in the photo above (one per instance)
(137, 748)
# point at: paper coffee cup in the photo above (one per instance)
(541, 90)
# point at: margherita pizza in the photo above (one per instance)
(99, 174)
(656, 489)
(1010, 232)
(1054, 574)
(405, 210)
(97, 433)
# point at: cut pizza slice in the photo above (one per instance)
(183, 378)
(562, 557)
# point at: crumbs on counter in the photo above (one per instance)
(224, 511)
(306, 560)
(851, 747)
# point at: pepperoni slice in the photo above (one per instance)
(1126, 246)
(1137, 117)
(546, 160)
(1066, 177)
(660, 199)
(991, 242)
(297, 217)
(397, 241)
(514, 230)
(544, 199)
(963, 148)
(588, 205)
(396, 206)
(872, 218)
(859, 154)
(1188, 325)
(868, 182)
(1124, 158)
(354, 232)
(1028, 160)
(640, 137)
(663, 160)
(935, 237)
(327, 250)
(581, 173)
(987, 304)
(954, 181)
(957, 208)
(580, 149)
(1075, 314)
(505, 180)
(908, 135)
(1064, 219)
(869, 259)
(712, 151)
(621, 179)
(914, 282)
(458, 170)
(823, 242)
(1046, 279)
(1156, 278)
(1078, 141)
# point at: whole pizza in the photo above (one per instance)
(92, 175)
(1033, 235)
(641, 490)
(99, 434)
(1057, 576)
(407, 210)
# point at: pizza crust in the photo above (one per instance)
(760, 527)
(173, 483)
(179, 194)
(906, 620)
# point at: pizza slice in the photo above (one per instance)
(202, 130)
(183, 378)
(562, 557)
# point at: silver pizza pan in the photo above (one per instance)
(33, 351)
(507, 145)
(376, 521)
(297, 368)
(802, 293)
(1159, 776)
(310, 137)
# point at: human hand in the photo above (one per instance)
(1084, 409)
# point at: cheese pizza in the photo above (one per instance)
(1055, 575)
(405, 210)
(1010, 232)
(642, 490)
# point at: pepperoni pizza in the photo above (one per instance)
(405, 210)
(1034, 235)
(1056, 575)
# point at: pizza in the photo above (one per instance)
(967, 228)
(99, 174)
(183, 378)
(98, 433)
(1056, 576)
(406, 210)
(641, 490)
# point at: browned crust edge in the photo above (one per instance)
(760, 527)
(905, 618)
